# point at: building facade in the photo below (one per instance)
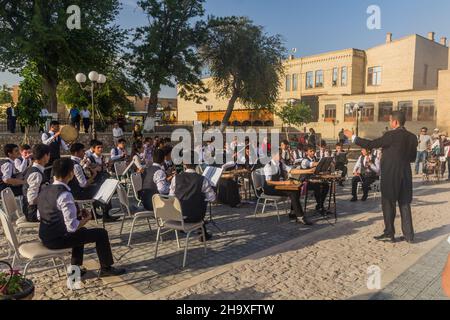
(410, 74)
(166, 106)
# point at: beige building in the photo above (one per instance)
(410, 74)
(167, 106)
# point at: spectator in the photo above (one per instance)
(86, 117)
(422, 149)
(137, 133)
(117, 133)
(74, 115)
(342, 137)
(11, 117)
(312, 139)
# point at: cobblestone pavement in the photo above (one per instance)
(323, 261)
(422, 281)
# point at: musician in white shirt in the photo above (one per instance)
(367, 170)
(24, 161)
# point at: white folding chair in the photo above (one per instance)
(258, 188)
(128, 213)
(31, 251)
(120, 168)
(10, 207)
(136, 183)
(168, 215)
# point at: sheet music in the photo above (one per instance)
(106, 191)
(213, 175)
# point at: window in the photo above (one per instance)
(288, 83)
(319, 79)
(335, 77)
(384, 111)
(344, 76)
(426, 110)
(309, 80)
(374, 76)
(330, 112)
(425, 74)
(349, 113)
(368, 113)
(407, 108)
(294, 82)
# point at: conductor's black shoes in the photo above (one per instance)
(382, 237)
(410, 241)
(111, 272)
(354, 199)
(304, 221)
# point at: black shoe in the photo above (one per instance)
(364, 198)
(391, 240)
(341, 184)
(354, 199)
(109, 219)
(410, 241)
(111, 272)
(207, 235)
(382, 237)
(304, 221)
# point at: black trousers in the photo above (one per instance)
(29, 211)
(342, 167)
(366, 183)
(78, 239)
(228, 192)
(320, 192)
(294, 196)
(11, 124)
(389, 214)
(86, 124)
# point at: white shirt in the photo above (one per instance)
(375, 167)
(8, 170)
(307, 163)
(207, 190)
(273, 168)
(160, 179)
(66, 204)
(34, 184)
(137, 160)
(117, 156)
(117, 132)
(79, 173)
(22, 165)
(85, 114)
(47, 140)
(44, 113)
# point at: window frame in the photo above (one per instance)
(385, 116)
(335, 77)
(374, 76)
(330, 112)
(344, 83)
(426, 103)
(309, 80)
(317, 77)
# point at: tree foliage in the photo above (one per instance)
(164, 53)
(294, 114)
(36, 31)
(5, 95)
(245, 63)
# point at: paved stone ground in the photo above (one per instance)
(322, 262)
(422, 281)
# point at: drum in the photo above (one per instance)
(69, 134)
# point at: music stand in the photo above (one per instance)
(213, 174)
(324, 165)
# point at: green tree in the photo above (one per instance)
(294, 114)
(31, 99)
(245, 63)
(164, 53)
(37, 31)
(5, 95)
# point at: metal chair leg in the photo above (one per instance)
(131, 232)
(123, 223)
(178, 240)
(157, 241)
(186, 248)
(264, 207)
(257, 205)
(56, 267)
(26, 268)
(149, 224)
(278, 212)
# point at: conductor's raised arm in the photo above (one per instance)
(384, 142)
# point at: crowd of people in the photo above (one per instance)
(433, 153)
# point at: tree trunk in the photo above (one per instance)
(26, 137)
(49, 87)
(230, 108)
(153, 103)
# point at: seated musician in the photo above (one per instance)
(25, 160)
(138, 156)
(286, 157)
(228, 187)
(276, 173)
(154, 180)
(84, 188)
(168, 163)
(34, 180)
(298, 154)
(95, 162)
(367, 171)
(340, 158)
(194, 192)
(9, 175)
(119, 153)
(62, 225)
(323, 151)
(148, 150)
(320, 189)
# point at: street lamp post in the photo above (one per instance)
(97, 80)
(209, 109)
(358, 107)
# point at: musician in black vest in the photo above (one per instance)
(24, 161)
(63, 227)
(82, 187)
(34, 180)
(154, 180)
(399, 151)
(9, 176)
(53, 139)
(276, 173)
(194, 192)
(366, 172)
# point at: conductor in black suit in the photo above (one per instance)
(399, 151)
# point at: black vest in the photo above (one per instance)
(74, 184)
(29, 172)
(52, 224)
(55, 148)
(188, 189)
(367, 172)
(148, 185)
(13, 176)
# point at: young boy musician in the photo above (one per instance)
(119, 153)
(154, 180)
(34, 180)
(24, 161)
(9, 176)
(63, 227)
(341, 160)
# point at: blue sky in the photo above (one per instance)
(319, 26)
